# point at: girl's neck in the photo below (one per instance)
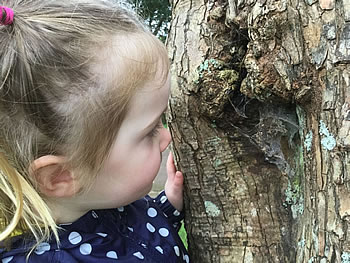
(66, 212)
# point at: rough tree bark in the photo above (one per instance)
(260, 114)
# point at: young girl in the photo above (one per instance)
(83, 89)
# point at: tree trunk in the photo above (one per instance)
(260, 115)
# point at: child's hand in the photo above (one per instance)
(174, 184)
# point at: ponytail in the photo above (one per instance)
(31, 212)
(11, 188)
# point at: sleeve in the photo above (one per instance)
(175, 217)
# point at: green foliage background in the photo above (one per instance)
(157, 14)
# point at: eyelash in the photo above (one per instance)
(155, 131)
(161, 124)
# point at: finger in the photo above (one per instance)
(174, 187)
(170, 165)
(178, 180)
(175, 184)
(174, 190)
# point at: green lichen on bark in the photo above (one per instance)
(207, 67)
(214, 81)
(229, 76)
(308, 141)
(345, 257)
(211, 209)
(328, 141)
(295, 189)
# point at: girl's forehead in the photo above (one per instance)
(150, 100)
(133, 72)
(155, 91)
(131, 60)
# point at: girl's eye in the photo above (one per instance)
(155, 131)
(161, 124)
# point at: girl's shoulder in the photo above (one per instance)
(142, 231)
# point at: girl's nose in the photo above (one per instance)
(165, 139)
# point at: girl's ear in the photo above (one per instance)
(53, 177)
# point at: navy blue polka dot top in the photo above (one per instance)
(144, 231)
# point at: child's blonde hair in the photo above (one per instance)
(68, 71)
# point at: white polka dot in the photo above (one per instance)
(121, 209)
(94, 215)
(112, 254)
(42, 248)
(85, 249)
(139, 255)
(130, 229)
(152, 212)
(163, 199)
(176, 213)
(163, 232)
(6, 260)
(74, 238)
(177, 250)
(102, 234)
(187, 258)
(150, 228)
(159, 249)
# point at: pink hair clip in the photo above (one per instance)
(6, 15)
